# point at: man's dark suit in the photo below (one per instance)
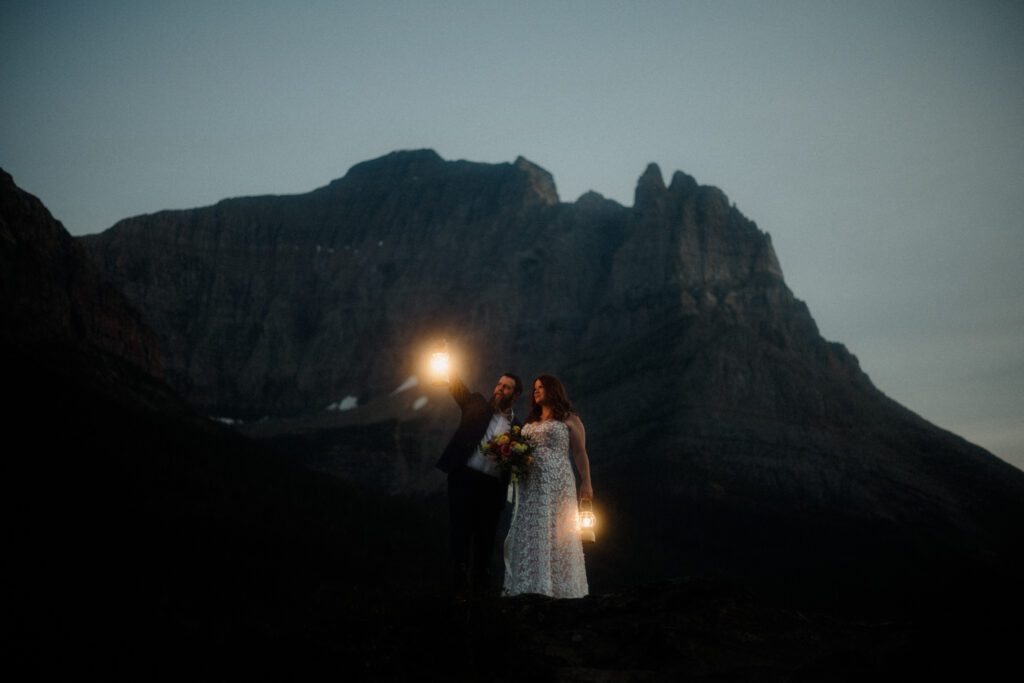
(475, 500)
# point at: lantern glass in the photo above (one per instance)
(586, 522)
(439, 365)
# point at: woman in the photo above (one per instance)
(543, 553)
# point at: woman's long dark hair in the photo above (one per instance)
(554, 396)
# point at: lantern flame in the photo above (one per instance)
(586, 522)
(439, 364)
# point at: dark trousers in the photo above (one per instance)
(475, 501)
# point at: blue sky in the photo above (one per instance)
(880, 143)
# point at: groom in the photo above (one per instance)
(476, 487)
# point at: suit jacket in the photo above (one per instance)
(476, 415)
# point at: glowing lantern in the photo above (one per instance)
(586, 522)
(439, 365)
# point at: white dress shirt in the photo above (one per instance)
(482, 463)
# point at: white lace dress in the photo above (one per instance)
(543, 553)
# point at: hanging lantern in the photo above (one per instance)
(586, 522)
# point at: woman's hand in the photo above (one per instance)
(586, 491)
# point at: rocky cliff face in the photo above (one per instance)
(727, 436)
(281, 305)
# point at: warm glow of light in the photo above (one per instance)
(439, 364)
(585, 523)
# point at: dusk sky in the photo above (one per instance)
(880, 143)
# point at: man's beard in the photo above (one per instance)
(501, 403)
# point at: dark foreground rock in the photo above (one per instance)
(688, 629)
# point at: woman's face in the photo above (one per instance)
(538, 393)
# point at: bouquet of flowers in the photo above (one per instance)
(512, 451)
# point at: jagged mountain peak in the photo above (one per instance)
(652, 177)
(682, 183)
(541, 182)
(649, 188)
(392, 167)
(651, 193)
(424, 172)
(591, 199)
(400, 159)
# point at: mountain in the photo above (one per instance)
(144, 540)
(727, 436)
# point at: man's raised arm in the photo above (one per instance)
(459, 391)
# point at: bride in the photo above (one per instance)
(543, 553)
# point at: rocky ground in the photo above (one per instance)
(687, 629)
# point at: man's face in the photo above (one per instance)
(504, 392)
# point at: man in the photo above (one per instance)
(476, 486)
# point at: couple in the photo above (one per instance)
(543, 552)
